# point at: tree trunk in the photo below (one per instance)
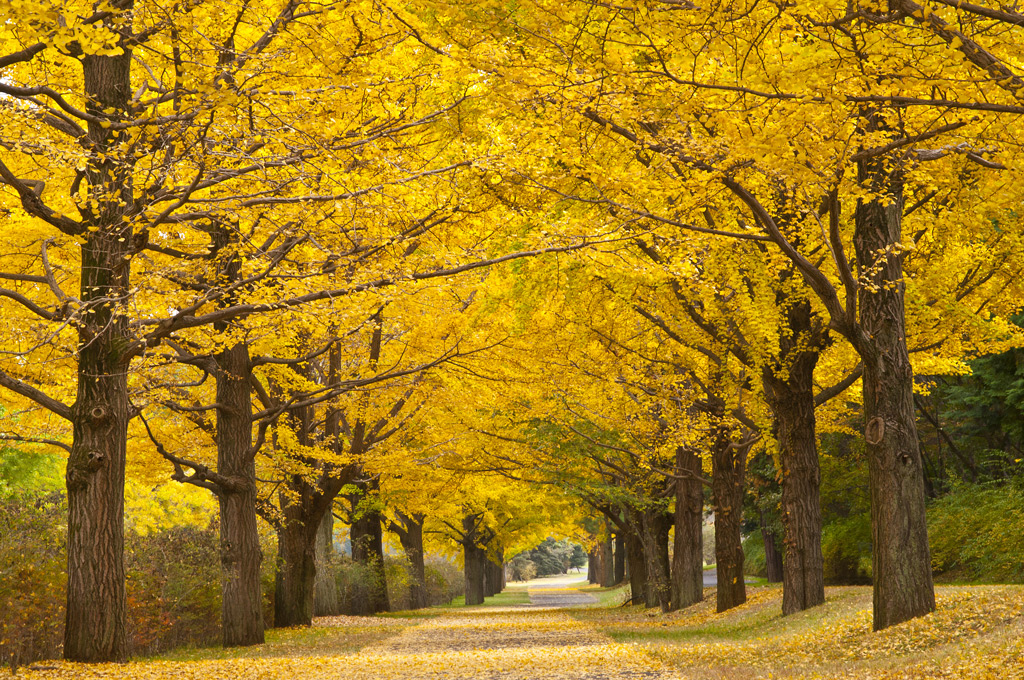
(474, 557)
(620, 558)
(637, 568)
(607, 579)
(325, 587)
(240, 554)
(492, 577)
(96, 614)
(368, 549)
(658, 589)
(411, 537)
(728, 469)
(688, 550)
(901, 560)
(592, 566)
(296, 571)
(772, 558)
(792, 403)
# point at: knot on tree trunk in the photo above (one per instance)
(874, 432)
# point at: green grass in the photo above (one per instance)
(606, 597)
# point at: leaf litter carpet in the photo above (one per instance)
(515, 643)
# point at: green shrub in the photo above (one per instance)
(754, 562)
(846, 550)
(977, 533)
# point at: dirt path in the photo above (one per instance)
(560, 591)
(507, 644)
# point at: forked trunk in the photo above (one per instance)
(688, 550)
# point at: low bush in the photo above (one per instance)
(445, 581)
(33, 539)
(399, 578)
(754, 563)
(846, 550)
(172, 581)
(976, 533)
(354, 581)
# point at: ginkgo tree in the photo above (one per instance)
(817, 129)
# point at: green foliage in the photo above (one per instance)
(754, 562)
(989, 402)
(551, 557)
(977, 533)
(846, 549)
(578, 558)
(846, 510)
(26, 471)
(521, 568)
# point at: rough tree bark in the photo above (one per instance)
(240, 554)
(901, 560)
(295, 582)
(772, 556)
(791, 399)
(728, 464)
(637, 566)
(688, 550)
(607, 575)
(95, 617)
(493, 571)
(654, 533)
(474, 558)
